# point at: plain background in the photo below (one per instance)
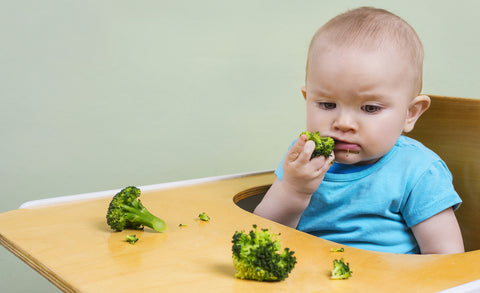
(98, 95)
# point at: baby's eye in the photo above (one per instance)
(371, 108)
(327, 106)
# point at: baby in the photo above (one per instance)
(385, 192)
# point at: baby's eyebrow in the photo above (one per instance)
(319, 92)
(371, 96)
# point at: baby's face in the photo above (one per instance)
(360, 97)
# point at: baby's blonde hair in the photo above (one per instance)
(372, 28)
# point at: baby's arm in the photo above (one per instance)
(439, 234)
(286, 199)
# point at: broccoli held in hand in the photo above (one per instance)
(127, 212)
(341, 270)
(256, 257)
(323, 145)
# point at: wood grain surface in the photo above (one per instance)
(71, 245)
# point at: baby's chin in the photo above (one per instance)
(347, 157)
(353, 158)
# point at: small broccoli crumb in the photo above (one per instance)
(351, 152)
(204, 217)
(182, 225)
(131, 239)
(341, 270)
(337, 249)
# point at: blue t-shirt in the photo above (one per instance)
(374, 207)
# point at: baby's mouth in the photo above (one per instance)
(347, 146)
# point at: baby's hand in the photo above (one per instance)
(302, 175)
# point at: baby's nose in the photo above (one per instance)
(345, 122)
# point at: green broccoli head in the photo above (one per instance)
(341, 270)
(323, 145)
(256, 256)
(127, 212)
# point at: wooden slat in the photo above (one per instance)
(451, 128)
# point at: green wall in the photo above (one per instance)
(97, 95)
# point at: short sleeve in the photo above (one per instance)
(431, 194)
(279, 170)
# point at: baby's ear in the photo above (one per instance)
(416, 108)
(304, 92)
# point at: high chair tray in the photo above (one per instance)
(69, 243)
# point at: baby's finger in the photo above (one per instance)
(322, 164)
(295, 150)
(307, 152)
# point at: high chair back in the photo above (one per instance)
(451, 128)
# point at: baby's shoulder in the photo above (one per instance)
(413, 150)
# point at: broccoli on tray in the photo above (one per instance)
(204, 217)
(127, 212)
(256, 257)
(341, 270)
(323, 144)
(131, 239)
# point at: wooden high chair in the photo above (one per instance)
(67, 239)
(451, 128)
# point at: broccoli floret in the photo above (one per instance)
(255, 256)
(127, 212)
(131, 239)
(323, 144)
(204, 217)
(341, 270)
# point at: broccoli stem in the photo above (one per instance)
(144, 217)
